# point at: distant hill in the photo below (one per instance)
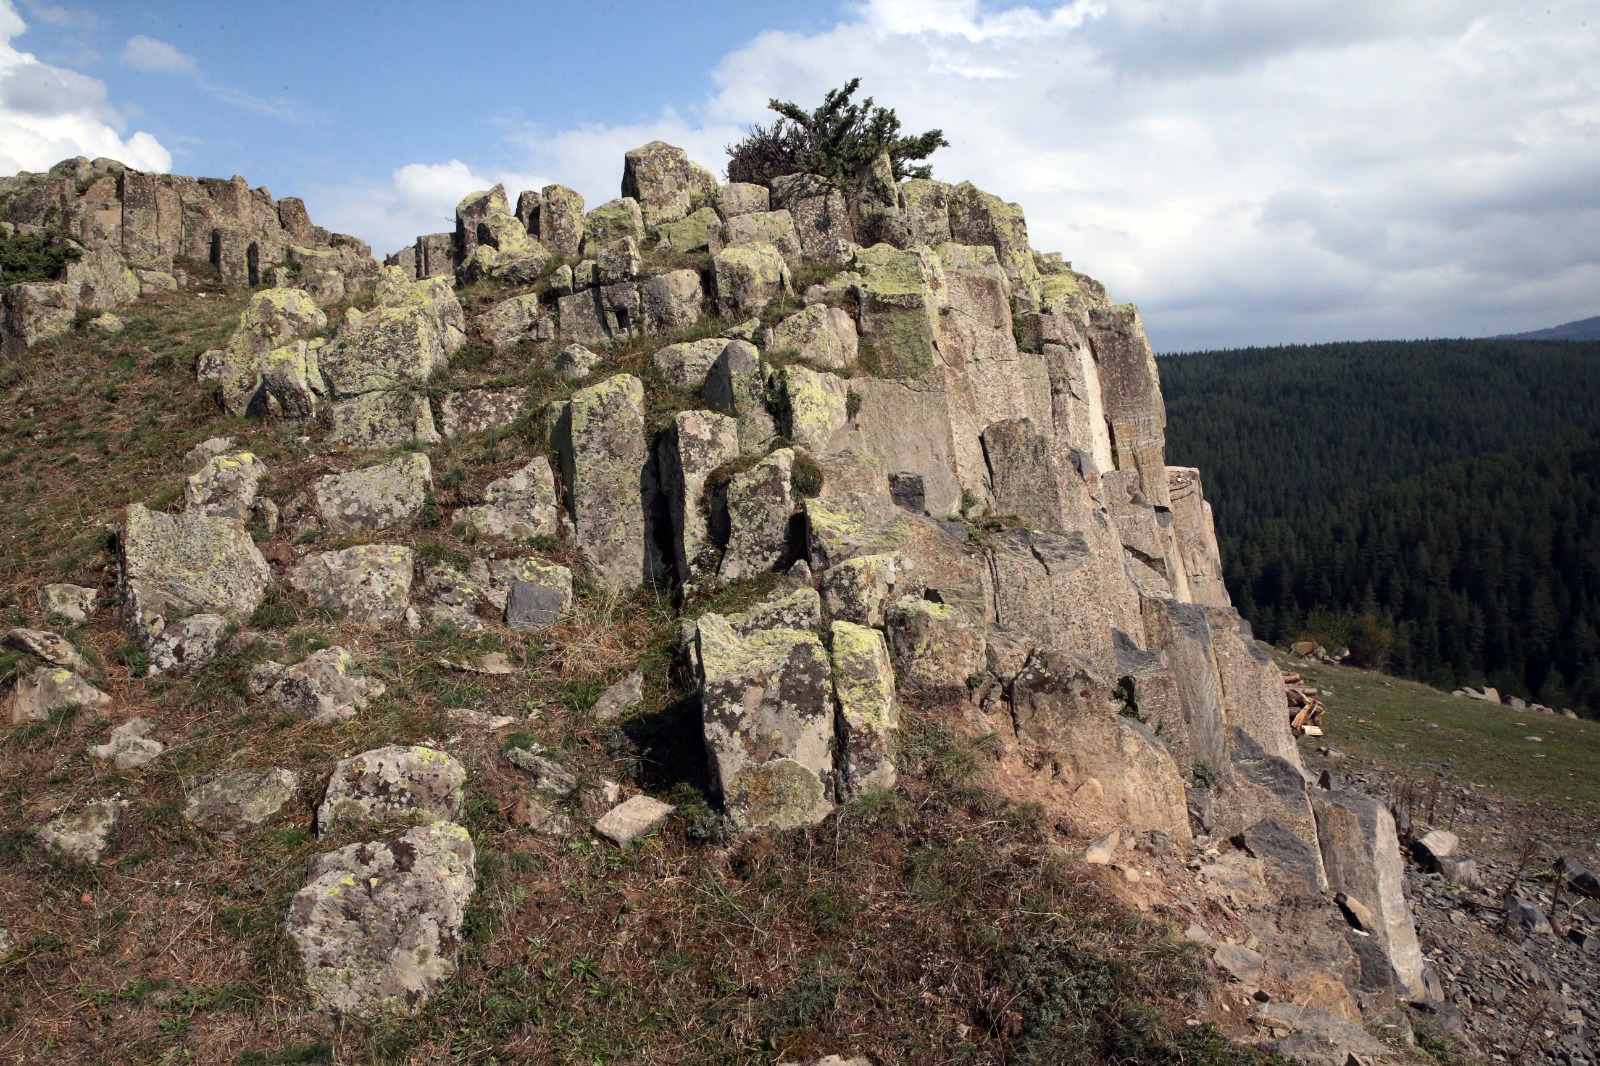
(1584, 329)
(1435, 498)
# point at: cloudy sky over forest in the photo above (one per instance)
(1248, 171)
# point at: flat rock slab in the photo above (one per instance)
(370, 583)
(624, 695)
(83, 835)
(53, 648)
(320, 688)
(240, 799)
(45, 688)
(632, 819)
(188, 564)
(378, 923)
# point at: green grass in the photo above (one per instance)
(1412, 729)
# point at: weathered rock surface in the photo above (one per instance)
(374, 497)
(320, 688)
(370, 583)
(186, 644)
(42, 644)
(46, 688)
(401, 782)
(378, 924)
(760, 504)
(768, 718)
(520, 505)
(600, 440)
(869, 715)
(84, 834)
(235, 800)
(128, 745)
(187, 564)
(632, 819)
(72, 602)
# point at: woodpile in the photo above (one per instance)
(1305, 710)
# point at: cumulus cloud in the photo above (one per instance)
(49, 113)
(1246, 170)
(151, 56)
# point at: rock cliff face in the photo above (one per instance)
(951, 445)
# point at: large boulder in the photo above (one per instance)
(687, 363)
(667, 184)
(378, 924)
(600, 439)
(768, 710)
(938, 648)
(399, 782)
(187, 564)
(1361, 853)
(821, 216)
(479, 410)
(370, 583)
(226, 487)
(232, 800)
(381, 420)
(736, 386)
(815, 406)
(32, 311)
(558, 221)
(768, 227)
(375, 497)
(671, 301)
(976, 217)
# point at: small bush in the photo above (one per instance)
(805, 476)
(35, 256)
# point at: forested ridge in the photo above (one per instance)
(1431, 503)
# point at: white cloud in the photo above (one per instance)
(1247, 170)
(151, 56)
(49, 113)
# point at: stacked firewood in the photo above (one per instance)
(1305, 710)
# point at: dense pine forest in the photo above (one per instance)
(1433, 505)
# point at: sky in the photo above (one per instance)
(1247, 171)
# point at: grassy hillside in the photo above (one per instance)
(928, 924)
(1431, 504)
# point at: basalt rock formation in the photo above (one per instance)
(950, 444)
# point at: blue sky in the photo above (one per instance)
(1248, 171)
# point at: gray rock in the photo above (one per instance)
(1362, 856)
(857, 589)
(1435, 845)
(760, 506)
(1271, 841)
(522, 505)
(517, 319)
(479, 410)
(374, 497)
(537, 593)
(370, 583)
(559, 221)
(775, 228)
(378, 924)
(83, 835)
(232, 800)
(188, 643)
(549, 776)
(937, 647)
(686, 364)
(187, 564)
(815, 407)
(46, 688)
(821, 335)
(748, 277)
(821, 216)
(128, 746)
(72, 602)
(600, 439)
(381, 420)
(737, 386)
(399, 782)
(742, 198)
(53, 648)
(1524, 918)
(632, 819)
(665, 182)
(767, 713)
(1242, 963)
(1102, 849)
(869, 715)
(1319, 1037)
(671, 301)
(320, 688)
(540, 819)
(226, 486)
(697, 443)
(620, 697)
(575, 362)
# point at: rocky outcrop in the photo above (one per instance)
(599, 436)
(134, 231)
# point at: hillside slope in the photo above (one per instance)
(1583, 329)
(1440, 488)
